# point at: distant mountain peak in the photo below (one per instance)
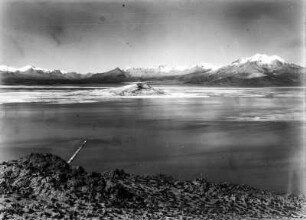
(174, 68)
(257, 70)
(27, 68)
(118, 69)
(209, 66)
(13, 69)
(261, 59)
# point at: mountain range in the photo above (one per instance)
(257, 70)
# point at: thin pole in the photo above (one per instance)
(77, 151)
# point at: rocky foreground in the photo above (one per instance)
(43, 186)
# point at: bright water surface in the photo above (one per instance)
(251, 136)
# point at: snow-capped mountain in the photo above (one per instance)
(34, 75)
(259, 65)
(26, 69)
(166, 70)
(257, 70)
(260, 59)
(13, 69)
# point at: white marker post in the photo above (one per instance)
(77, 151)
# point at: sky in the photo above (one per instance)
(94, 36)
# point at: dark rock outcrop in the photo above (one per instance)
(136, 89)
(43, 186)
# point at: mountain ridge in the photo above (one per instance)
(257, 70)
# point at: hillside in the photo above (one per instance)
(44, 186)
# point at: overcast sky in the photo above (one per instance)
(93, 36)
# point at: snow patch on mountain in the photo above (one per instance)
(261, 59)
(256, 75)
(177, 68)
(26, 68)
(212, 67)
(8, 69)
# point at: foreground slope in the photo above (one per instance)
(43, 186)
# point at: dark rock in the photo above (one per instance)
(46, 163)
(45, 186)
(136, 89)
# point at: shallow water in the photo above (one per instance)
(251, 136)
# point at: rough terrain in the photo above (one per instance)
(43, 186)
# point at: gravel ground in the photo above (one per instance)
(43, 186)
